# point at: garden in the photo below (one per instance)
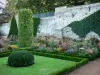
(19, 53)
(24, 53)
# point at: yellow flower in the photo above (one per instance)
(13, 46)
(59, 49)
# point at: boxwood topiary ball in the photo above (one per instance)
(20, 59)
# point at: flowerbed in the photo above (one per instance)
(83, 48)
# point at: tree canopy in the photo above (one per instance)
(38, 6)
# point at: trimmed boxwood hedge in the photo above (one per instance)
(36, 22)
(21, 58)
(13, 27)
(25, 28)
(59, 53)
(4, 54)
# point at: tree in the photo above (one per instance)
(11, 7)
(38, 6)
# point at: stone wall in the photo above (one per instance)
(63, 17)
(5, 27)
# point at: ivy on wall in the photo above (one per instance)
(90, 23)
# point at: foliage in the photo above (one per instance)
(20, 59)
(11, 7)
(52, 44)
(4, 44)
(93, 1)
(71, 58)
(42, 48)
(13, 39)
(12, 47)
(36, 22)
(38, 6)
(90, 23)
(5, 17)
(4, 54)
(13, 28)
(25, 30)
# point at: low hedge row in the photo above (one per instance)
(64, 71)
(5, 54)
(91, 58)
(59, 53)
(80, 61)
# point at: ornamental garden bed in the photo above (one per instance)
(60, 64)
(61, 55)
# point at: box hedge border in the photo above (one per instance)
(91, 58)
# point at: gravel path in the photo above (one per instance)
(92, 68)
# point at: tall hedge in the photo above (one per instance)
(35, 25)
(13, 28)
(25, 28)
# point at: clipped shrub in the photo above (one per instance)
(20, 59)
(13, 28)
(25, 30)
(36, 22)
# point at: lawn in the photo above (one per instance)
(42, 66)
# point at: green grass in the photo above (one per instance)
(42, 66)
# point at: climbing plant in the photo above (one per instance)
(88, 24)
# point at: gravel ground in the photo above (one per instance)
(92, 68)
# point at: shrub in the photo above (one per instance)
(20, 59)
(52, 44)
(42, 48)
(25, 32)
(35, 25)
(13, 28)
(4, 54)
